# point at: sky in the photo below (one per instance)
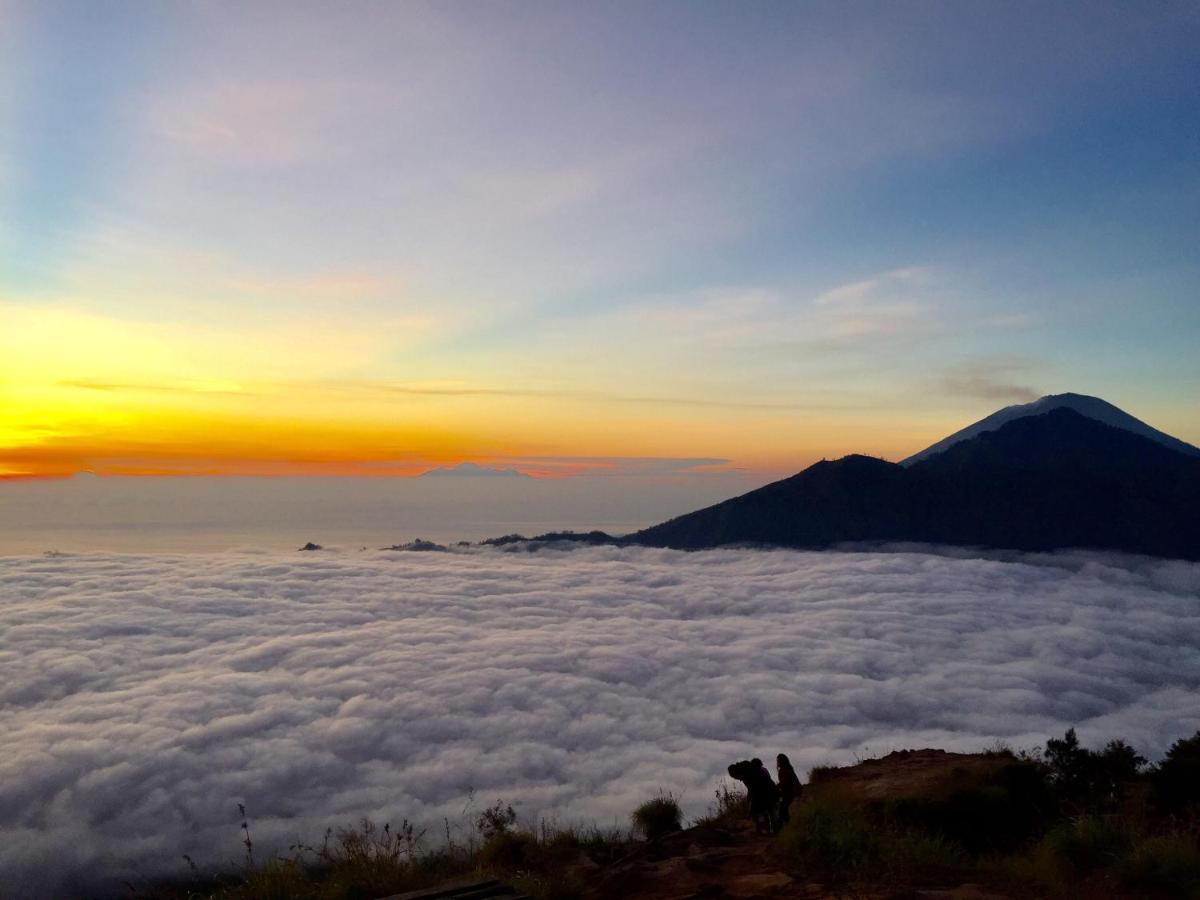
(145, 696)
(366, 239)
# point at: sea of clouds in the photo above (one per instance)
(144, 697)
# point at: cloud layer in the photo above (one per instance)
(145, 696)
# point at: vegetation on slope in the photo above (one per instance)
(1063, 821)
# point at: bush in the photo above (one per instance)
(821, 773)
(1086, 845)
(831, 837)
(658, 817)
(1166, 864)
(913, 853)
(728, 805)
(509, 851)
(496, 819)
(999, 809)
(840, 840)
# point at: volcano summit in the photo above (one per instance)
(1067, 470)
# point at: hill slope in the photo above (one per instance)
(1039, 482)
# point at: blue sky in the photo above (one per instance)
(765, 233)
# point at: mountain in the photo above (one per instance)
(472, 470)
(1092, 407)
(1044, 481)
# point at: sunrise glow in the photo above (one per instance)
(372, 244)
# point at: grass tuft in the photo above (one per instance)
(658, 816)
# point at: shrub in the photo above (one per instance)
(845, 843)
(602, 845)
(1165, 864)
(509, 851)
(657, 817)
(913, 853)
(729, 804)
(998, 809)
(821, 773)
(496, 819)
(832, 837)
(1086, 844)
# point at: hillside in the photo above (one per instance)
(723, 857)
(1061, 822)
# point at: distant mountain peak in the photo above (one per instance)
(1053, 478)
(1091, 407)
(472, 470)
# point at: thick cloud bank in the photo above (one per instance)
(143, 697)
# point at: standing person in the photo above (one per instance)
(789, 787)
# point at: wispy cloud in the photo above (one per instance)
(561, 466)
(881, 286)
(178, 387)
(894, 302)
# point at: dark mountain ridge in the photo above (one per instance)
(1038, 482)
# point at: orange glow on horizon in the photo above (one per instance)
(81, 392)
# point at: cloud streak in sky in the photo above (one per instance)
(145, 696)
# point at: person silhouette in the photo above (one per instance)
(789, 788)
(761, 792)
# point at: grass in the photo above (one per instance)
(1047, 825)
(817, 774)
(729, 805)
(1086, 845)
(366, 862)
(1017, 821)
(1167, 865)
(658, 817)
(842, 843)
(996, 809)
(1094, 856)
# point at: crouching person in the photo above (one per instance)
(761, 792)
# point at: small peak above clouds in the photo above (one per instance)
(1091, 407)
(472, 470)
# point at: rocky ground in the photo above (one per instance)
(728, 859)
(714, 862)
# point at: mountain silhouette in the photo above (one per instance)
(1041, 481)
(1092, 407)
